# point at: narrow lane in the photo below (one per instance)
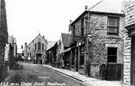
(42, 76)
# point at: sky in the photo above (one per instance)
(27, 18)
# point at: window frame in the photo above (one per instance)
(39, 45)
(109, 26)
(112, 55)
(42, 46)
(82, 27)
(35, 46)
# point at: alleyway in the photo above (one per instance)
(38, 75)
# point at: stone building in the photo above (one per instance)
(51, 53)
(35, 51)
(129, 43)
(12, 51)
(63, 49)
(97, 44)
(3, 38)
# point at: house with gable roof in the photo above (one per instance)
(51, 53)
(35, 51)
(97, 45)
(63, 50)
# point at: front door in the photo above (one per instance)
(38, 58)
(133, 61)
(111, 63)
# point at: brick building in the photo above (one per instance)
(97, 44)
(129, 43)
(35, 51)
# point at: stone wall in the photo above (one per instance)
(127, 59)
(100, 41)
(129, 9)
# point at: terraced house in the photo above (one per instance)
(63, 50)
(97, 45)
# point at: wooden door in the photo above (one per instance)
(114, 69)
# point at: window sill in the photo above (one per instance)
(113, 36)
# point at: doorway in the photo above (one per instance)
(133, 60)
(114, 70)
(38, 58)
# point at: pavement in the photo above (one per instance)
(86, 80)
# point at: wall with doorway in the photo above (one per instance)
(98, 47)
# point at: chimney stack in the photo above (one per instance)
(70, 21)
(86, 7)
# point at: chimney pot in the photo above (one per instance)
(70, 21)
(86, 7)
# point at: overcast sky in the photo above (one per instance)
(27, 18)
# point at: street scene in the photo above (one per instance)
(38, 75)
(57, 43)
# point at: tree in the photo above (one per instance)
(3, 30)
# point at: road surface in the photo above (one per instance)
(38, 75)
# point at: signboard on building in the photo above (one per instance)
(129, 8)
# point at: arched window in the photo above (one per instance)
(39, 45)
(42, 46)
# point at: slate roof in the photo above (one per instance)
(50, 44)
(104, 8)
(36, 37)
(66, 39)
(109, 6)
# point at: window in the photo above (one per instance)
(42, 46)
(82, 27)
(112, 54)
(39, 45)
(73, 30)
(113, 26)
(35, 46)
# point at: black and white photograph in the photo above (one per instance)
(67, 43)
